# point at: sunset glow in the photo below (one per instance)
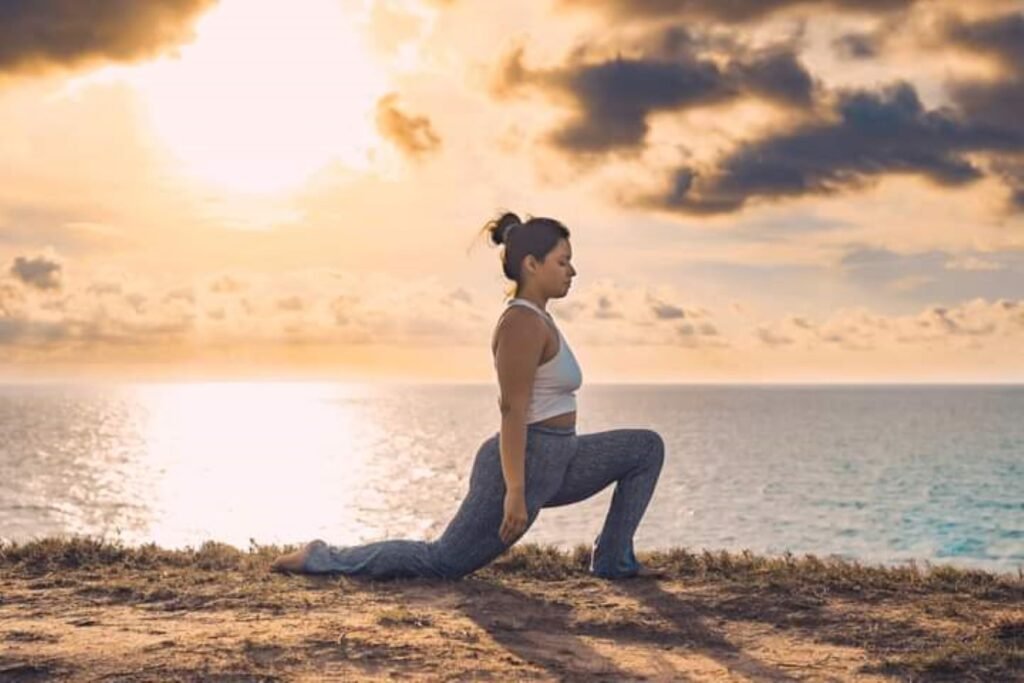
(755, 191)
(242, 114)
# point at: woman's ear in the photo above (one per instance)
(530, 263)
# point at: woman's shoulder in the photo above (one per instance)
(518, 320)
(518, 317)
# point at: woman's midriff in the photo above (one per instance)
(563, 420)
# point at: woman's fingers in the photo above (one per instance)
(511, 528)
(507, 532)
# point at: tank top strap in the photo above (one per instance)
(542, 312)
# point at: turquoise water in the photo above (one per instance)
(882, 474)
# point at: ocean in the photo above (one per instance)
(879, 474)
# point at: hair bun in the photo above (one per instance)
(508, 227)
(501, 227)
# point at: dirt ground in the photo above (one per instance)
(518, 620)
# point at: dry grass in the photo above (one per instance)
(547, 563)
(916, 621)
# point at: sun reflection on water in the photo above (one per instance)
(235, 460)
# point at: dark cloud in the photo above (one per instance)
(1001, 36)
(1012, 173)
(39, 272)
(39, 34)
(731, 11)
(414, 135)
(873, 133)
(997, 102)
(857, 45)
(614, 97)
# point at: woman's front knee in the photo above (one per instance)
(657, 447)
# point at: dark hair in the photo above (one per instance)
(536, 237)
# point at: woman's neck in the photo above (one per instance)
(536, 301)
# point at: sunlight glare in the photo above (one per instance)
(267, 94)
(235, 460)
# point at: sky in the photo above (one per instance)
(756, 190)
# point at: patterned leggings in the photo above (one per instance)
(561, 467)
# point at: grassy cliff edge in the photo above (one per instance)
(79, 608)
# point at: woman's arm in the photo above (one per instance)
(520, 345)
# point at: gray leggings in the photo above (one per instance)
(561, 467)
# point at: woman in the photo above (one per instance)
(536, 460)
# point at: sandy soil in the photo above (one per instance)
(115, 622)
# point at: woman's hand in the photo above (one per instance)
(514, 523)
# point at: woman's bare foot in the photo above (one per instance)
(293, 562)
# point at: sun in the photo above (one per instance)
(268, 93)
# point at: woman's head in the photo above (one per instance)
(537, 254)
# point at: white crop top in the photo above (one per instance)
(556, 381)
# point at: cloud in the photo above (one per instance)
(12, 299)
(731, 11)
(291, 303)
(923, 277)
(859, 329)
(1000, 101)
(413, 135)
(772, 338)
(226, 284)
(25, 225)
(667, 311)
(909, 282)
(615, 97)
(460, 294)
(40, 272)
(873, 133)
(605, 309)
(100, 288)
(1000, 36)
(606, 313)
(857, 45)
(972, 263)
(39, 34)
(239, 310)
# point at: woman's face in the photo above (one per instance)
(555, 273)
